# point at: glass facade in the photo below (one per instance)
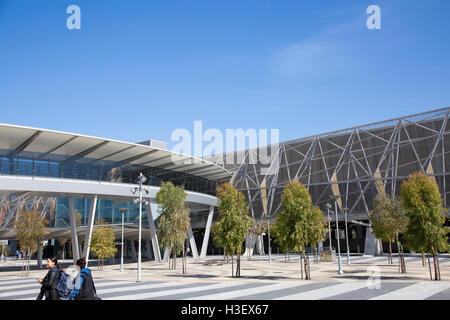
(106, 210)
(60, 166)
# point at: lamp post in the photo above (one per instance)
(335, 198)
(346, 235)
(140, 180)
(268, 239)
(328, 206)
(121, 253)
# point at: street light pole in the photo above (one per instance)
(268, 239)
(121, 253)
(337, 231)
(140, 230)
(329, 224)
(346, 236)
(141, 180)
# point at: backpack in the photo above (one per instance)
(65, 286)
(87, 290)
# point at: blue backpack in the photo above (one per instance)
(65, 286)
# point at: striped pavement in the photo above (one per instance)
(20, 288)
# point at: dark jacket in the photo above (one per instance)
(50, 283)
(84, 286)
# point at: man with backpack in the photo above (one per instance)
(84, 284)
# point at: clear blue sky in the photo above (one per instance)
(140, 69)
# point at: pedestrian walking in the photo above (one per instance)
(51, 280)
(84, 284)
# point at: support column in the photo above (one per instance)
(166, 255)
(90, 227)
(152, 215)
(372, 245)
(133, 251)
(73, 230)
(207, 231)
(192, 244)
(149, 250)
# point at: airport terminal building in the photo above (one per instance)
(351, 165)
(65, 174)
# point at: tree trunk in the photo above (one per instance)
(307, 268)
(429, 266)
(232, 266)
(184, 261)
(439, 267)
(390, 252)
(238, 265)
(436, 273)
(424, 263)
(301, 265)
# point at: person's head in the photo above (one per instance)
(52, 262)
(81, 263)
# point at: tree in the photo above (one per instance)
(174, 221)
(102, 243)
(388, 221)
(423, 205)
(30, 230)
(233, 223)
(299, 224)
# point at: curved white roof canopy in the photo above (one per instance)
(47, 142)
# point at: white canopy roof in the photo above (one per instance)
(47, 142)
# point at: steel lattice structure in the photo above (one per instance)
(355, 163)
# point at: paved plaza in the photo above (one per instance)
(365, 278)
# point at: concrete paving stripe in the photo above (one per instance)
(197, 294)
(18, 287)
(32, 293)
(417, 291)
(234, 293)
(172, 292)
(302, 286)
(325, 292)
(442, 295)
(139, 286)
(11, 295)
(371, 291)
(17, 280)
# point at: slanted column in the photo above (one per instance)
(90, 227)
(152, 214)
(133, 251)
(73, 230)
(166, 255)
(192, 244)
(207, 231)
(149, 250)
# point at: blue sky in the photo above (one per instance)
(141, 69)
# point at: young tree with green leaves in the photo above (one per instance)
(103, 243)
(233, 223)
(299, 224)
(423, 205)
(30, 230)
(388, 221)
(174, 221)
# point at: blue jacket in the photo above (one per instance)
(79, 282)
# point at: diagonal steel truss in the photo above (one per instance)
(360, 161)
(10, 206)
